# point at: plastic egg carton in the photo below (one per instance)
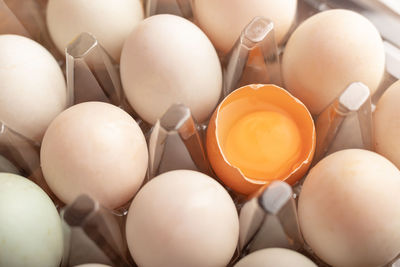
(267, 219)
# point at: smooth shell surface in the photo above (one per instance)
(275, 257)
(30, 227)
(168, 60)
(224, 20)
(97, 149)
(182, 218)
(92, 265)
(387, 124)
(109, 21)
(349, 211)
(32, 86)
(329, 51)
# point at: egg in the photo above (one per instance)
(275, 257)
(182, 218)
(92, 265)
(387, 124)
(97, 149)
(168, 60)
(110, 22)
(348, 209)
(30, 227)
(260, 133)
(32, 86)
(329, 51)
(224, 20)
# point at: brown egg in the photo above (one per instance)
(387, 124)
(182, 218)
(329, 51)
(349, 211)
(97, 149)
(275, 257)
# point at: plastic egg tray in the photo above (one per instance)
(94, 234)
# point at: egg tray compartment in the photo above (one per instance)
(95, 234)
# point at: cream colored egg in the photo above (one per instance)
(96, 149)
(30, 227)
(182, 218)
(349, 210)
(110, 21)
(32, 86)
(224, 20)
(168, 60)
(275, 257)
(329, 51)
(387, 124)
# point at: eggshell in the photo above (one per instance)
(30, 227)
(109, 21)
(32, 86)
(168, 60)
(245, 100)
(275, 257)
(348, 209)
(224, 20)
(97, 149)
(387, 124)
(182, 218)
(329, 51)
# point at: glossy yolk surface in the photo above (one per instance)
(263, 144)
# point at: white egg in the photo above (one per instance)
(32, 86)
(329, 51)
(168, 60)
(387, 124)
(275, 257)
(182, 218)
(349, 211)
(224, 20)
(30, 227)
(109, 21)
(97, 149)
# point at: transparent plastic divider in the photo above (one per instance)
(254, 58)
(10, 23)
(182, 8)
(176, 142)
(270, 220)
(93, 234)
(394, 263)
(346, 122)
(27, 18)
(91, 73)
(20, 155)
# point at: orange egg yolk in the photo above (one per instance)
(263, 144)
